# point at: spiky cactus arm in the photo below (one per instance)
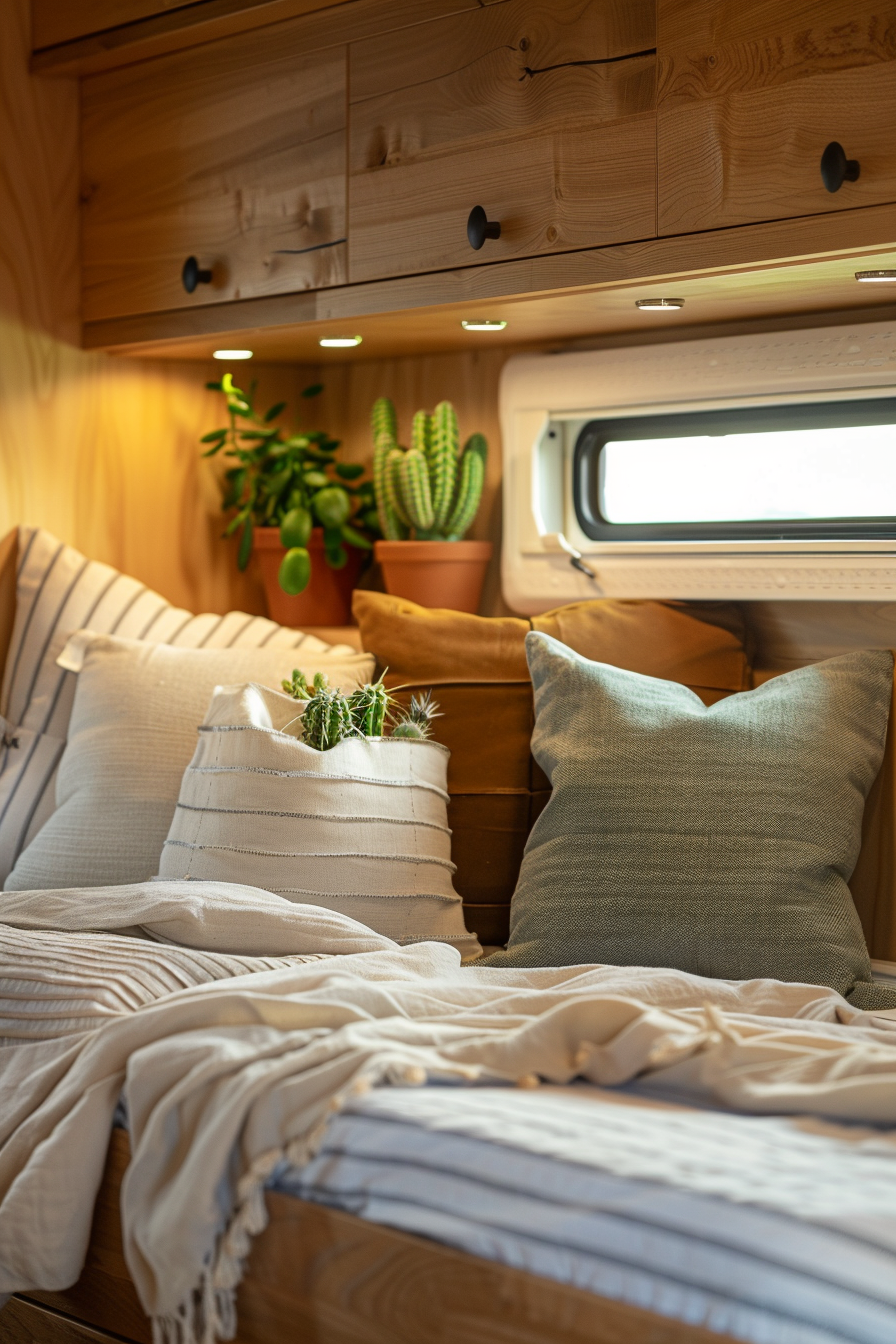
(413, 477)
(390, 522)
(469, 493)
(383, 419)
(369, 707)
(394, 497)
(421, 433)
(443, 460)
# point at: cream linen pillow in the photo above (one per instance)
(59, 591)
(361, 828)
(130, 737)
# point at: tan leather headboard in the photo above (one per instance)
(9, 553)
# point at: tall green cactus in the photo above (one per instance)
(384, 424)
(431, 489)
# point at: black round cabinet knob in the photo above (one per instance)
(193, 275)
(836, 168)
(480, 227)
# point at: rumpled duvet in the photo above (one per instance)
(234, 1024)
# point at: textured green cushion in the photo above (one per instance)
(716, 840)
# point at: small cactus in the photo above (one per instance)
(327, 719)
(330, 716)
(432, 489)
(415, 722)
(369, 707)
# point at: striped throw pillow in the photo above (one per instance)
(59, 591)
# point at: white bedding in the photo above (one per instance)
(766, 1228)
(227, 1079)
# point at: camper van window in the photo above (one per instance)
(825, 470)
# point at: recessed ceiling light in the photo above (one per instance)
(339, 342)
(232, 354)
(484, 324)
(876, 277)
(658, 305)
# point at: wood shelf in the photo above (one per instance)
(190, 25)
(786, 268)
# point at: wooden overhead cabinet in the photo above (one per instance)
(539, 112)
(751, 95)
(232, 154)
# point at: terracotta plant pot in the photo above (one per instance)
(328, 598)
(435, 573)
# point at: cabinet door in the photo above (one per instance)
(750, 94)
(540, 111)
(55, 21)
(234, 153)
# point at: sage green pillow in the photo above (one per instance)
(716, 840)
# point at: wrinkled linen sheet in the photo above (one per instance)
(225, 1080)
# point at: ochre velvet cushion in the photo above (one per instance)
(699, 647)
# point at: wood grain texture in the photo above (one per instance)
(23, 1322)
(56, 21)
(768, 272)
(102, 451)
(750, 95)
(326, 1276)
(234, 153)
(9, 554)
(342, 1281)
(206, 20)
(541, 113)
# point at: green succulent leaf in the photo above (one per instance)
(295, 571)
(295, 529)
(332, 506)
(314, 390)
(332, 538)
(316, 480)
(274, 411)
(214, 436)
(355, 538)
(337, 558)
(245, 549)
(349, 471)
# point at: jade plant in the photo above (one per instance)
(330, 716)
(290, 481)
(431, 490)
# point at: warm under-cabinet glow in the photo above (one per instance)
(232, 354)
(790, 474)
(483, 324)
(659, 305)
(340, 342)
(876, 277)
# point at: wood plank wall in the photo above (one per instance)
(102, 450)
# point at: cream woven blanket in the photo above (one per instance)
(227, 1077)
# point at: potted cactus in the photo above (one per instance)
(427, 496)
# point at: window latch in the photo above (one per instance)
(556, 541)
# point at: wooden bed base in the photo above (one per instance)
(317, 1276)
